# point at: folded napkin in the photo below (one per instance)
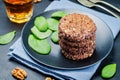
(17, 52)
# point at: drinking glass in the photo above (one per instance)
(19, 11)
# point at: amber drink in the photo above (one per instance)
(19, 11)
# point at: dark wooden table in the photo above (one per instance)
(7, 65)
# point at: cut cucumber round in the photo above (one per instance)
(54, 37)
(41, 23)
(7, 38)
(58, 14)
(52, 24)
(40, 46)
(40, 35)
(108, 71)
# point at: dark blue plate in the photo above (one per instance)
(104, 44)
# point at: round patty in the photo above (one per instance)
(77, 36)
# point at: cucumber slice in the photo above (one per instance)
(7, 38)
(52, 24)
(108, 71)
(41, 23)
(54, 37)
(40, 46)
(40, 35)
(58, 14)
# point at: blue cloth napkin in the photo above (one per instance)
(17, 52)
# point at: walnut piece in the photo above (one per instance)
(19, 73)
(49, 78)
(36, 1)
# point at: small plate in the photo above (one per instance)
(104, 44)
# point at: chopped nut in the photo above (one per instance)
(36, 1)
(49, 78)
(19, 73)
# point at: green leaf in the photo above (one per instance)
(108, 71)
(52, 24)
(58, 14)
(40, 35)
(40, 46)
(41, 23)
(7, 38)
(54, 37)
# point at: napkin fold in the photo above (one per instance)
(17, 52)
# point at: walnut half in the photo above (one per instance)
(19, 73)
(49, 78)
(36, 1)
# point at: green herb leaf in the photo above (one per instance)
(41, 23)
(40, 35)
(7, 38)
(52, 24)
(108, 71)
(54, 37)
(40, 46)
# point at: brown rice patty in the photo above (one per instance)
(78, 53)
(77, 36)
(89, 47)
(77, 44)
(77, 39)
(75, 56)
(84, 44)
(76, 27)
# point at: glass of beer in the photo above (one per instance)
(19, 11)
